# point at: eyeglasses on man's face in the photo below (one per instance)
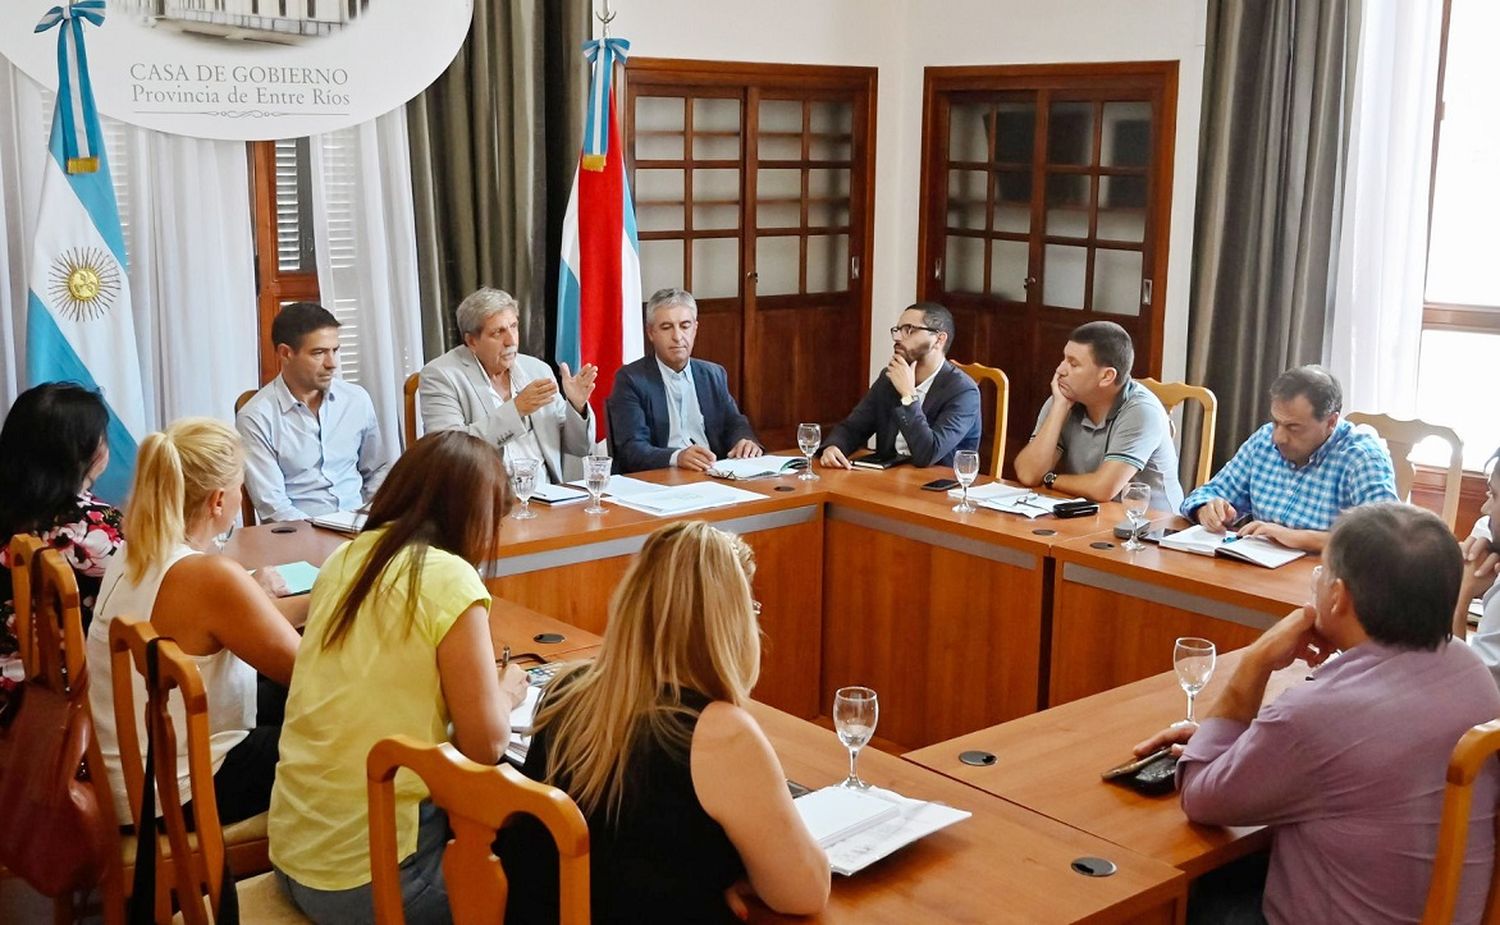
(906, 330)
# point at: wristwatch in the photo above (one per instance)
(1048, 479)
(908, 400)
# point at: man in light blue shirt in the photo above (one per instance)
(312, 442)
(1295, 475)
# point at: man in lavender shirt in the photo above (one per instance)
(1349, 768)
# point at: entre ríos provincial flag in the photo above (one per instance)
(79, 325)
(599, 289)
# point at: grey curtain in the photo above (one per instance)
(493, 145)
(1276, 102)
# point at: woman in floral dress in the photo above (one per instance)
(52, 448)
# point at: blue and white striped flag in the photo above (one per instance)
(79, 325)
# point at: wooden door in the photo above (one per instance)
(753, 191)
(1046, 193)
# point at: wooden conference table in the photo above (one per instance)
(1050, 763)
(1004, 864)
(957, 620)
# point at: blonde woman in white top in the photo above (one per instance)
(186, 492)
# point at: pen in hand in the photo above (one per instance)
(504, 659)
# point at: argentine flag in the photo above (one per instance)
(599, 286)
(79, 325)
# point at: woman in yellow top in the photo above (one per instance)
(397, 642)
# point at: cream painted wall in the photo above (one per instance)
(901, 37)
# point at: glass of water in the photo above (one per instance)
(595, 478)
(965, 469)
(808, 438)
(523, 480)
(1136, 497)
(1193, 659)
(856, 711)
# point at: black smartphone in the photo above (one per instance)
(940, 485)
(1155, 536)
(796, 788)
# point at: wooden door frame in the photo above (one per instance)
(704, 73)
(989, 78)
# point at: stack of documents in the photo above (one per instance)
(990, 491)
(622, 486)
(1260, 551)
(756, 467)
(671, 500)
(859, 827)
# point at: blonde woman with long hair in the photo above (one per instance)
(686, 801)
(186, 492)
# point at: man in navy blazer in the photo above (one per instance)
(921, 406)
(668, 409)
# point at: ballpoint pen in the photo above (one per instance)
(504, 657)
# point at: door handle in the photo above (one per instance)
(854, 268)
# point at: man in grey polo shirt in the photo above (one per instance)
(1101, 430)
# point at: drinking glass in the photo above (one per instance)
(596, 477)
(1136, 497)
(965, 469)
(808, 438)
(855, 713)
(523, 479)
(1193, 658)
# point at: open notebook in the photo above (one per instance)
(756, 467)
(1254, 549)
(859, 827)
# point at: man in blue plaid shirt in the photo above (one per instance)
(1296, 474)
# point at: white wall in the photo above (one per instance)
(901, 37)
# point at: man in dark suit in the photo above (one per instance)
(668, 409)
(921, 405)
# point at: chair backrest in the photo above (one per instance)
(409, 420)
(57, 621)
(24, 549)
(478, 799)
(128, 636)
(1400, 437)
(982, 374)
(247, 509)
(1477, 747)
(203, 873)
(1172, 394)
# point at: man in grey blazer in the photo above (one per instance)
(487, 387)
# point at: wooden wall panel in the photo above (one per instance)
(1102, 639)
(948, 640)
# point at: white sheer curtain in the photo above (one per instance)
(185, 210)
(365, 228)
(1376, 323)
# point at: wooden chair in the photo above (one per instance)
(24, 550)
(247, 509)
(248, 847)
(1172, 394)
(409, 421)
(1400, 437)
(982, 374)
(479, 799)
(1477, 748)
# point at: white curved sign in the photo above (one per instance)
(249, 69)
